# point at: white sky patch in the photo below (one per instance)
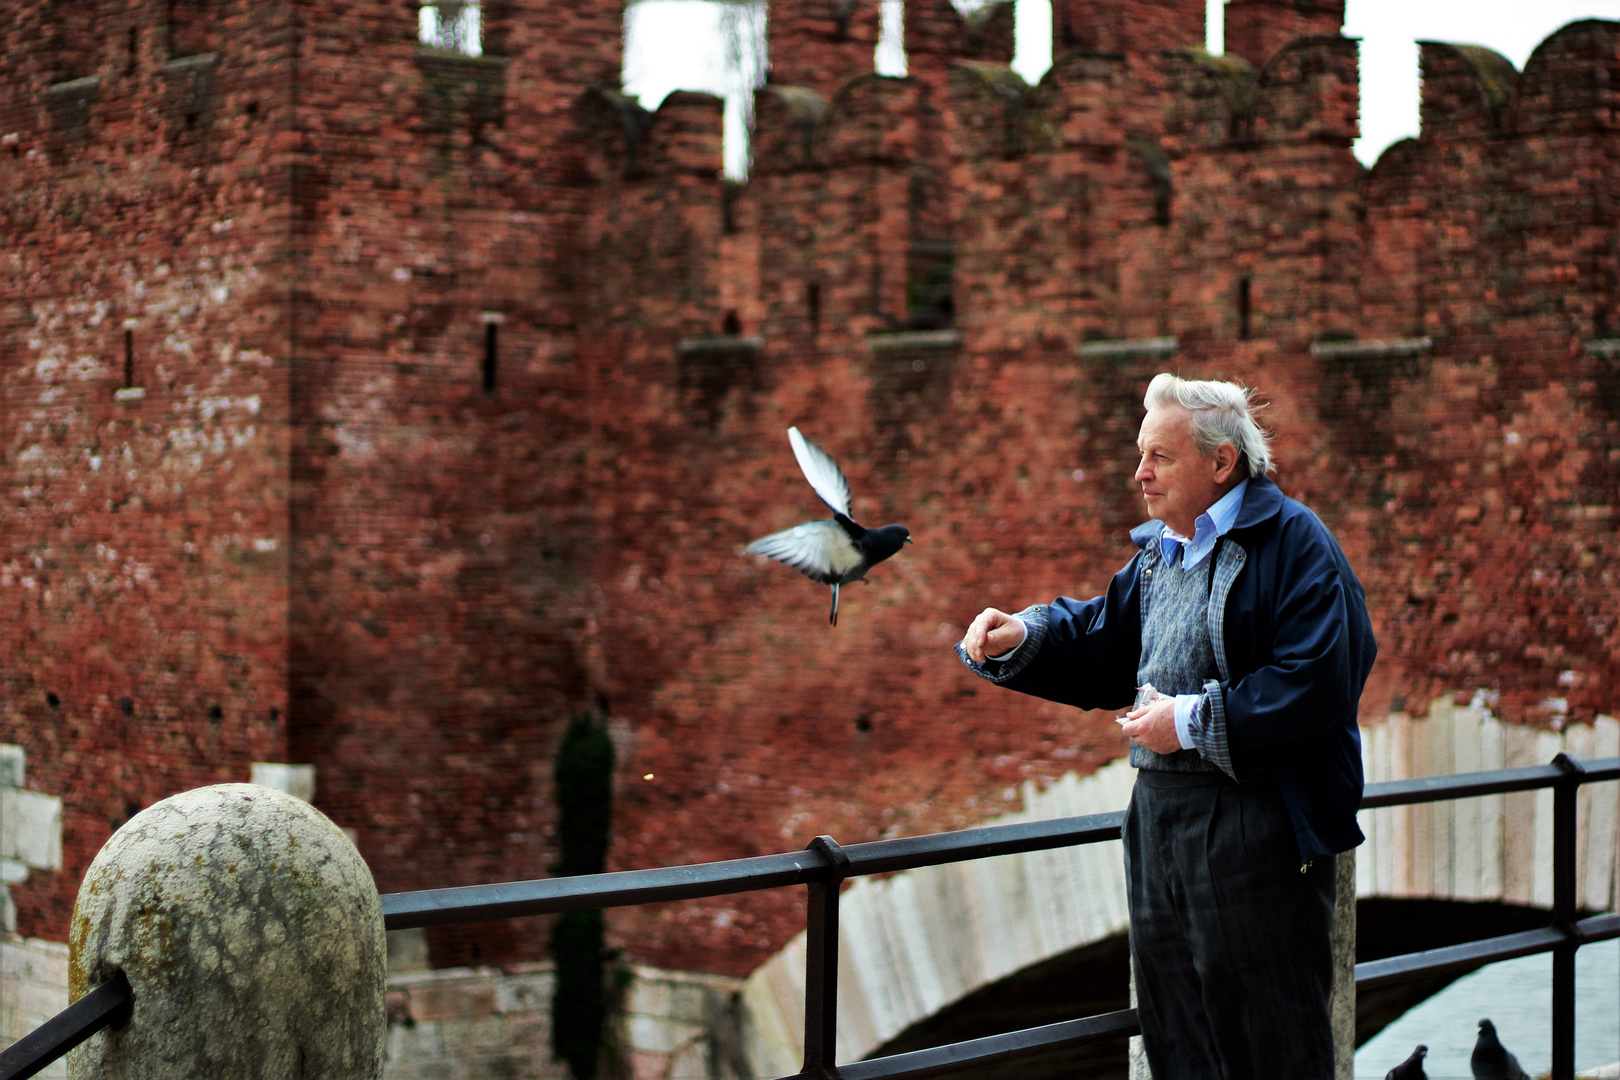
(679, 44)
(674, 45)
(1389, 32)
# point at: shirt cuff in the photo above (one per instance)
(1187, 719)
(1010, 653)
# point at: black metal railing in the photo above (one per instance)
(825, 864)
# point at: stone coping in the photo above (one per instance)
(198, 60)
(719, 343)
(483, 60)
(913, 340)
(86, 85)
(1127, 347)
(1607, 347)
(1372, 349)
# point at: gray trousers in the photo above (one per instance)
(1230, 941)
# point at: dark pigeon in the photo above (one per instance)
(1411, 1068)
(834, 552)
(1491, 1060)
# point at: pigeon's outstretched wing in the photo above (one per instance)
(822, 472)
(834, 552)
(820, 550)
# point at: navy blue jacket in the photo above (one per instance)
(1297, 645)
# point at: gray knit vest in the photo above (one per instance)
(1176, 654)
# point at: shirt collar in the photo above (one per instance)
(1213, 523)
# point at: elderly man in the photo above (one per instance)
(1247, 632)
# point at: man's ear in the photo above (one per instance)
(1226, 461)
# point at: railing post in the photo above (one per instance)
(821, 962)
(1564, 886)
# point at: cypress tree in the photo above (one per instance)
(585, 808)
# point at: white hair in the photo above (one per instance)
(1222, 413)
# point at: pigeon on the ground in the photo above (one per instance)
(1411, 1068)
(1491, 1060)
(834, 552)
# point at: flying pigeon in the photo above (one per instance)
(834, 552)
(1491, 1060)
(1411, 1068)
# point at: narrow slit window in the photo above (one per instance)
(129, 357)
(492, 349)
(1243, 308)
(814, 297)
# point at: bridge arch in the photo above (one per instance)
(915, 946)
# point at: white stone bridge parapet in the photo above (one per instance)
(912, 943)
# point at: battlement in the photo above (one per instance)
(376, 407)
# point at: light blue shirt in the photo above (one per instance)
(1211, 525)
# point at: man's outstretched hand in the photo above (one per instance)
(993, 633)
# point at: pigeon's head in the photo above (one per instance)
(1486, 1028)
(1421, 1052)
(889, 539)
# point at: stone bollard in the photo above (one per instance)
(252, 937)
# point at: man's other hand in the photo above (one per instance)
(995, 633)
(1154, 726)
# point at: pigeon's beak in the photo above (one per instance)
(908, 539)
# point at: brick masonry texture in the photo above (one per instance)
(329, 531)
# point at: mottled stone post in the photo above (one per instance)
(1342, 1004)
(252, 937)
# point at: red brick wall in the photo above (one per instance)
(457, 569)
(145, 542)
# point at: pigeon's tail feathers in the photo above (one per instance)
(833, 617)
(822, 472)
(820, 550)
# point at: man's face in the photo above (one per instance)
(1178, 482)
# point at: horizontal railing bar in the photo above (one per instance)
(933, 849)
(511, 899)
(542, 896)
(1467, 956)
(1597, 928)
(1467, 785)
(99, 1008)
(505, 900)
(993, 1049)
(943, 1060)
(1424, 789)
(1603, 768)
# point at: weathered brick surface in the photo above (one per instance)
(320, 521)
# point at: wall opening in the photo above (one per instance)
(491, 330)
(129, 357)
(1243, 309)
(452, 25)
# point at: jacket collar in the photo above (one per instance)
(1261, 502)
